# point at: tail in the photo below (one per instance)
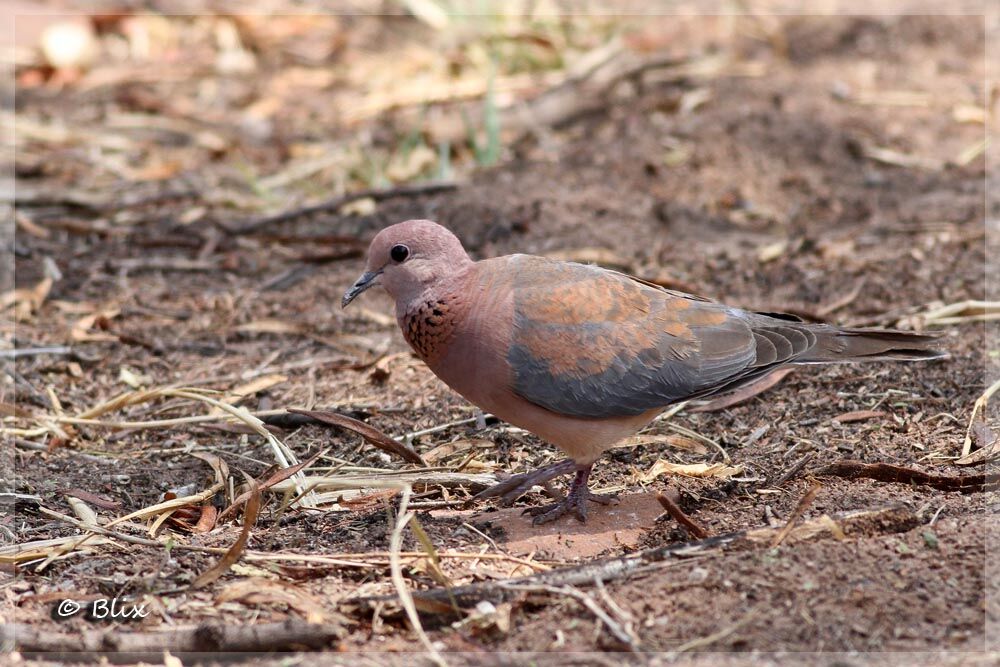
(835, 345)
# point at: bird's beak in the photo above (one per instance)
(367, 279)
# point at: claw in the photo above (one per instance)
(511, 489)
(574, 501)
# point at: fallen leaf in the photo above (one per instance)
(220, 467)
(969, 113)
(170, 660)
(771, 251)
(27, 300)
(259, 590)
(858, 416)
(93, 499)
(704, 470)
(987, 442)
(254, 386)
(368, 500)
(246, 570)
(81, 330)
(378, 318)
(132, 379)
(206, 522)
(672, 440)
(271, 326)
(367, 431)
(278, 476)
(447, 449)
(236, 550)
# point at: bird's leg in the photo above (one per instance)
(575, 501)
(512, 488)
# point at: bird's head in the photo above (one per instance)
(407, 258)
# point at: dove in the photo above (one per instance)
(584, 356)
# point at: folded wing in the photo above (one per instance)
(589, 342)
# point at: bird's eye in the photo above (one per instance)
(399, 253)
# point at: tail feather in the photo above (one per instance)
(847, 345)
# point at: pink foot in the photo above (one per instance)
(574, 502)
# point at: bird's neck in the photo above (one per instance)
(429, 321)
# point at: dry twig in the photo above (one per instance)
(206, 639)
(681, 517)
(885, 520)
(800, 508)
(885, 472)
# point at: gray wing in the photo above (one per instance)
(593, 343)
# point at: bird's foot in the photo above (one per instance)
(515, 486)
(577, 504)
(575, 501)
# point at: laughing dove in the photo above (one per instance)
(584, 356)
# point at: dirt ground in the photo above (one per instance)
(823, 174)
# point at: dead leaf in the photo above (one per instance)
(378, 318)
(278, 476)
(259, 590)
(157, 170)
(83, 511)
(447, 449)
(969, 113)
(234, 552)
(260, 384)
(206, 522)
(367, 501)
(220, 467)
(273, 326)
(368, 432)
(434, 561)
(900, 159)
(858, 416)
(250, 388)
(672, 440)
(987, 443)
(27, 300)
(704, 470)
(771, 251)
(404, 167)
(81, 330)
(132, 379)
(170, 660)
(93, 499)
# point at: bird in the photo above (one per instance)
(584, 356)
